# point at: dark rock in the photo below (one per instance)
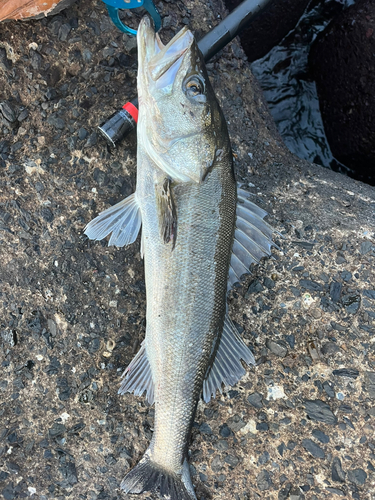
(366, 247)
(330, 349)
(315, 450)
(262, 426)
(296, 494)
(225, 431)
(369, 384)
(205, 428)
(311, 285)
(23, 115)
(278, 347)
(347, 97)
(13, 467)
(231, 460)
(64, 32)
(284, 492)
(351, 302)
(369, 293)
(236, 423)
(254, 287)
(82, 133)
(5, 63)
(69, 473)
(281, 448)
(295, 291)
(57, 430)
(35, 59)
(268, 283)
(8, 111)
(337, 473)
(92, 140)
(335, 291)
(318, 434)
(47, 214)
(8, 492)
(264, 480)
(357, 476)
(346, 372)
(320, 411)
(337, 327)
(255, 399)
(56, 121)
(264, 458)
(291, 340)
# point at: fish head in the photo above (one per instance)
(180, 126)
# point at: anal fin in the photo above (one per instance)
(138, 377)
(227, 368)
(123, 220)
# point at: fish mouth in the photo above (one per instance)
(161, 62)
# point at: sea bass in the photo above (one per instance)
(199, 235)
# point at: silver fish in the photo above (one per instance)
(195, 244)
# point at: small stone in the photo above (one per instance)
(264, 480)
(291, 340)
(366, 246)
(346, 372)
(337, 473)
(269, 283)
(205, 428)
(255, 399)
(369, 293)
(92, 140)
(278, 347)
(296, 494)
(318, 434)
(295, 291)
(310, 285)
(225, 431)
(64, 32)
(357, 476)
(369, 385)
(236, 423)
(314, 449)
(57, 430)
(335, 291)
(254, 287)
(82, 133)
(264, 458)
(8, 492)
(330, 349)
(35, 59)
(56, 121)
(320, 411)
(231, 460)
(284, 492)
(346, 276)
(47, 214)
(351, 302)
(281, 448)
(8, 111)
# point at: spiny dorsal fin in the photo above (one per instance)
(227, 368)
(123, 220)
(138, 377)
(252, 237)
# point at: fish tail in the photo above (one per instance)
(150, 476)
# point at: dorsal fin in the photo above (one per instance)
(252, 237)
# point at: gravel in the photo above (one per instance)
(73, 312)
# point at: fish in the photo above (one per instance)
(199, 234)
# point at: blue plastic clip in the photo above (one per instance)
(113, 7)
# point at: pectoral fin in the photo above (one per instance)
(167, 212)
(123, 220)
(227, 368)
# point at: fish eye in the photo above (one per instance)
(194, 88)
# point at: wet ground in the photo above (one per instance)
(72, 313)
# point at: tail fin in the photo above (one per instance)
(149, 476)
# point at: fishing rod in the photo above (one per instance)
(122, 122)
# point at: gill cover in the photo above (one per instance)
(179, 118)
